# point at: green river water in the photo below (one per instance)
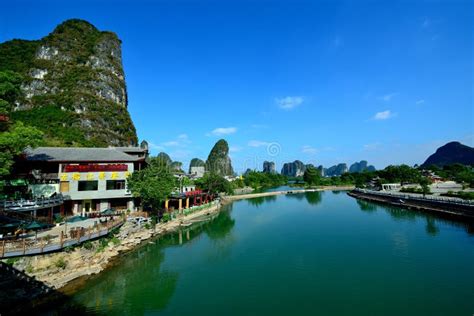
(319, 253)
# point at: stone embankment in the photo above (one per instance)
(437, 205)
(229, 198)
(58, 269)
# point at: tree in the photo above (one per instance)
(9, 86)
(424, 183)
(312, 175)
(214, 183)
(13, 142)
(152, 184)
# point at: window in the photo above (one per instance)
(115, 184)
(64, 186)
(88, 185)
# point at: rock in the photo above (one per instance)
(197, 167)
(336, 170)
(293, 169)
(451, 153)
(72, 76)
(361, 167)
(269, 167)
(218, 160)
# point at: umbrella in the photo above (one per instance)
(35, 225)
(10, 225)
(109, 211)
(76, 218)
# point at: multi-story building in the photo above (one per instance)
(90, 179)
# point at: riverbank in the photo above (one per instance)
(56, 270)
(440, 206)
(230, 198)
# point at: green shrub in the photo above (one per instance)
(11, 261)
(87, 245)
(29, 268)
(115, 241)
(60, 263)
(166, 217)
(147, 226)
(59, 219)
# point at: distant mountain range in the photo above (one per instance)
(297, 168)
(453, 152)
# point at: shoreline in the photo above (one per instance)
(230, 198)
(82, 263)
(417, 203)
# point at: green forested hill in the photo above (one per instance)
(71, 86)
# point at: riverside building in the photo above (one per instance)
(90, 179)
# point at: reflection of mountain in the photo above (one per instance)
(366, 206)
(297, 196)
(221, 226)
(117, 289)
(432, 222)
(257, 201)
(313, 198)
(124, 288)
(431, 228)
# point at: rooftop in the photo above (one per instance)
(78, 154)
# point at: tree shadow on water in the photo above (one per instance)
(313, 198)
(22, 294)
(366, 206)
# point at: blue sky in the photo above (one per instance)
(320, 81)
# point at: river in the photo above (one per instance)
(316, 253)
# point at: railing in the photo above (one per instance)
(31, 205)
(35, 246)
(452, 200)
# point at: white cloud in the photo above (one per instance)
(384, 115)
(183, 136)
(180, 154)
(155, 146)
(172, 143)
(420, 102)
(258, 126)
(223, 131)
(388, 97)
(288, 103)
(257, 143)
(309, 150)
(234, 149)
(373, 146)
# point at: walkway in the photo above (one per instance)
(296, 191)
(36, 246)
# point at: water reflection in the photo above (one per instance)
(313, 198)
(221, 226)
(137, 284)
(432, 221)
(257, 201)
(139, 274)
(296, 196)
(367, 206)
(431, 228)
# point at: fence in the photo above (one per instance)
(35, 246)
(450, 200)
(31, 205)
